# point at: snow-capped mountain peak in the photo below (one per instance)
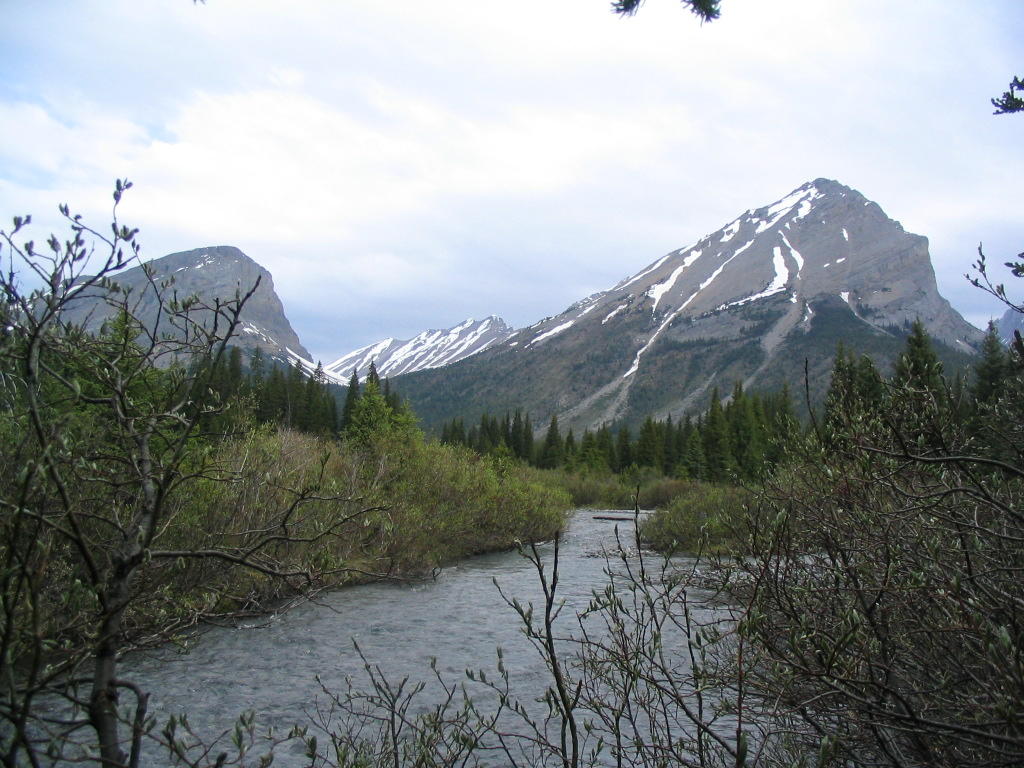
(430, 349)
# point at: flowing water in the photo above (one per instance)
(459, 618)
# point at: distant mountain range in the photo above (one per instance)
(430, 349)
(777, 286)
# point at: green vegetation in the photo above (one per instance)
(688, 470)
(709, 517)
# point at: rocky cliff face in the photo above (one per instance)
(749, 303)
(209, 273)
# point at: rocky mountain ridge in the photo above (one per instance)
(821, 239)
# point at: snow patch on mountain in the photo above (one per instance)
(647, 271)
(613, 313)
(714, 275)
(659, 290)
(553, 332)
(777, 284)
(796, 256)
(801, 199)
(730, 231)
(636, 361)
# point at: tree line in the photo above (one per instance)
(291, 397)
(858, 389)
(740, 439)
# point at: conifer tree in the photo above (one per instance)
(257, 365)
(991, 369)
(485, 435)
(781, 422)
(569, 452)
(374, 419)
(317, 412)
(717, 454)
(351, 398)
(606, 447)
(372, 376)
(840, 388)
(517, 436)
(856, 388)
(647, 447)
(528, 439)
(551, 454)
(506, 432)
(294, 395)
(234, 372)
(870, 390)
(589, 454)
(919, 367)
(332, 412)
(669, 451)
(693, 456)
(747, 436)
(273, 404)
(623, 450)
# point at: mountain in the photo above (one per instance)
(430, 349)
(209, 273)
(776, 286)
(1010, 321)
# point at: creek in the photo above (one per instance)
(459, 618)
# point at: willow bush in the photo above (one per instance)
(702, 517)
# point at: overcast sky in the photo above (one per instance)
(403, 165)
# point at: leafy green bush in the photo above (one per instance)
(592, 490)
(702, 517)
(445, 502)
